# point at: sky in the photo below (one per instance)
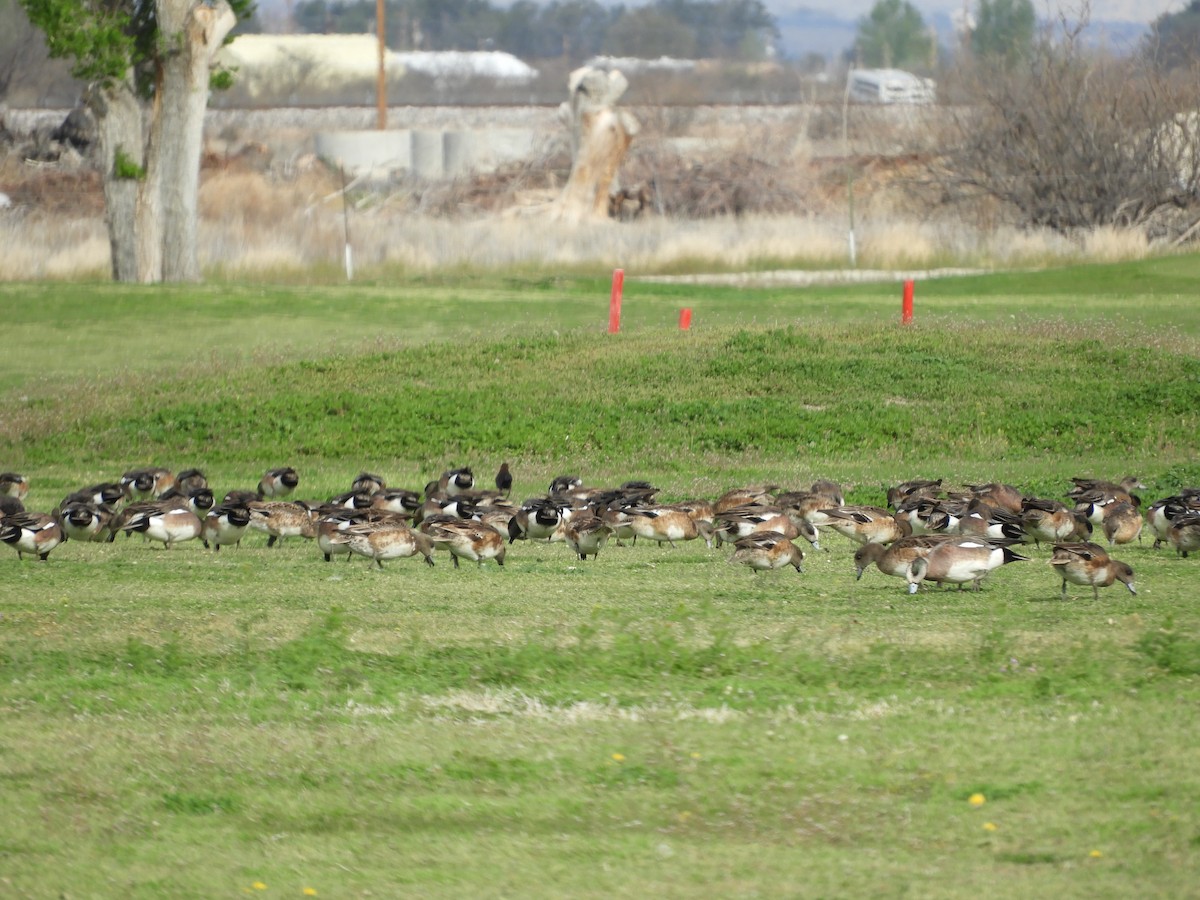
(1140, 11)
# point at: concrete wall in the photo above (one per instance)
(427, 153)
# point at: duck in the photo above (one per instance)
(368, 482)
(1086, 563)
(744, 521)
(864, 524)
(538, 519)
(959, 561)
(504, 480)
(894, 558)
(381, 540)
(456, 481)
(13, 484)
(1185, 534)
(31, 532)
(1122, 524)
(468, 540)
(666, 525)
(110, 493)
(1161, 514)
(225, 524)
(913, 489)
(754, 495)
(396, 500)
(998, 496)
(168, 524)
(282, 519)
(586, 534)
(278, 482)
(985, 521)
(83, 521)
(10, 506)
(1095, 487)
(149, 483)
(765, 550)
(1051, 521)
(190, 480)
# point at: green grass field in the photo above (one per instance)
(655, 722)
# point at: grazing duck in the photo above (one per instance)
(744, 521)
(985, 521)
(564, 484)
(225, 524)
(1185, 534)
(894, 558)
(368, 482)
(396, 500)
(537, 520)
(190, 480)
(1093, 488)
(282, 519)
(14, 485)
(998, 496)
(469, 540)
(666, 525)
(85, 521)
(959, 561)
(167, 524)
(456, 481)
(147, 484)
(33, 533)
(755, 495)
(911, 490)
(1162, 513)
(1122, 524)
(278, 482)
(1087, 563)
(504, 480)
(586, 534)
(10, 506)
(865, 524)
(385, 540)
(1051, 521)
(766, 550)
(110, 494)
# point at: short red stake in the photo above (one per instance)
(685, 318)
(906, 308)
(614, 302)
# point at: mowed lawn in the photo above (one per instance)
(654, 722)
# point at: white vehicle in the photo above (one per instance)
(890, 86)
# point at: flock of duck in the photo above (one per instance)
(927, 533)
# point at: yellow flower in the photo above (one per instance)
(259, 886)
(695, 756)
(977, 799)
(1095, 854)
(618, 757)
(310, 892)
(989, 826)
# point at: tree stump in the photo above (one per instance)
(600, 138)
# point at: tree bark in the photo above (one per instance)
(196, 31)
(118, 115)
(600, 138)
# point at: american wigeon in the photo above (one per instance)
(165, 523)
(281, 519)
(765, 550)
(959, 561)
(380, 541)
(13, 484)
(278, 482)
(666, 525)
(149, 483)
(865, 524)
(1087, 563)
(586, 534)
(31, 532)
(894, 558)
(468, 540)
(225, 524)
(83, 521)
(1122, 524)
(1184, 535)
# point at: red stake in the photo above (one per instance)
(685, 318)
(614, 302)
(906, 308)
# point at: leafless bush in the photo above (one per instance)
(1075, 141)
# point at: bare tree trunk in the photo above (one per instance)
(118, 115)
(201, 29)
(600, 138)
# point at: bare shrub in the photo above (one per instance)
(1075, 140)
